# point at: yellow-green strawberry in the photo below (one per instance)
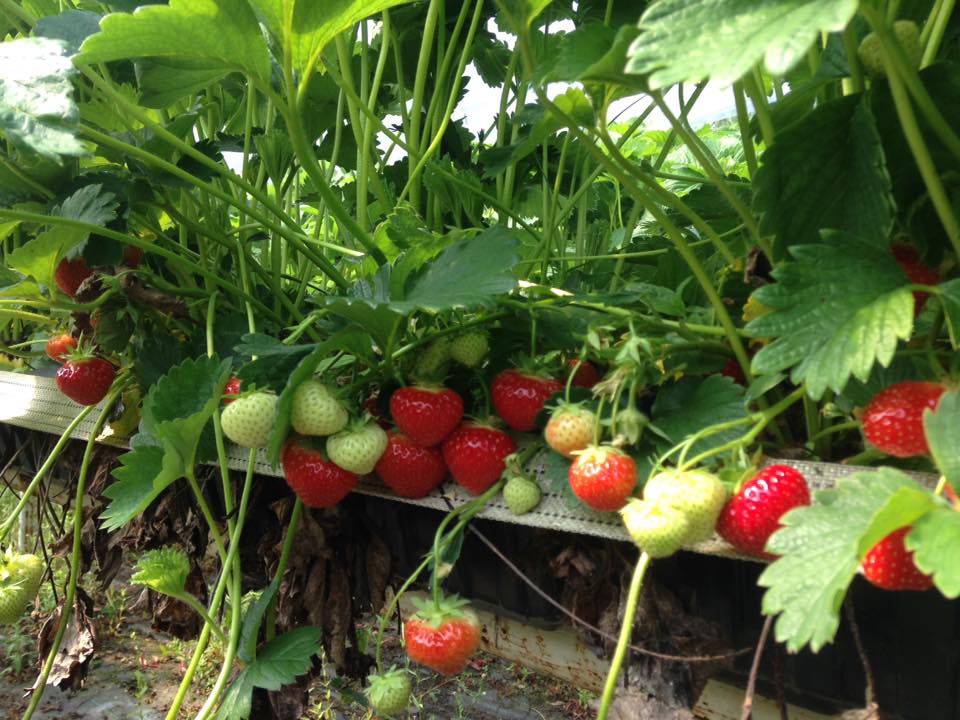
(658, 530)
(249, 420)
(569, 429)
(316, 410)
(19, 582)
(432, 361)
(870, 51)
(521, 494)
(699, 495)
(389, 693)
(358, 448)
(470, 348)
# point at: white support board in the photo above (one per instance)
(35, 402)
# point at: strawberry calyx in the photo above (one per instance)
(81, 353)
(436, 611)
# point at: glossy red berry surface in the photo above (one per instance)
(59, 346)
(445, 648)
(893, 419)
(231, 388)
(603, 478)
(752, 515)
(909, 259)
(70, 274)
(316, 480)
(475, 455)
(586, 374)
(518, 397)
(86, 380)
(426, 415)
(889, 565)
(410, 470)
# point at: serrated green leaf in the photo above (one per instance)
(89, 204)
(36, 107)
(942, 428)
(839, 307)
(468, 274)
(209, 33)
(688, 406)
(285, 658)
(181, 403)
(305, 27)
(141, 477)
(521, 13)
(247, 648)
(163, 81)
(949, 296)
(935, 541)
(39, 257)
(827, 170)
(71, 26)
(164, 570)
(818, 548)
(905, 506)
(237, 702)
(691, 40)
(378, 320)
(304, 370)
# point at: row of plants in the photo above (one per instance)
(263, 223)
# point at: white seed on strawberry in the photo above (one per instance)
(316, 410)
(249, 420)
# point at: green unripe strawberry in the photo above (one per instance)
(432, 361)
(19, 582)
(389, 694)
(470, 348)
(358, 448)
(248, 421)
(658, 530)
(870, 51)
(521, 494)
(699, 495)
(316, 410)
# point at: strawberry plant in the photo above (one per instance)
(283, 226)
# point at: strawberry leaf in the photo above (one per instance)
(935, 541)
(285, 658)
(673, 46)
(36, 108)
(164, 571)
(837, 141)
(686, 407)
(252, 620)
(826, 326)
(175, 412)
(942, 428)
(467, 274)
(209, 33)
(819, 549)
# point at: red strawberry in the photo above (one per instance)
(315, 479)
(518, 397)
(733, 371)
(231, 388)
(603, 478)
(442, 638)
(889, 565)
(59, 346)
(586, 375)
(909, 259)
(132, 255)
(475, 454)
(85, 379)
(893, 419)
(410, 470)
(752, 515)
(70, 274)
(426, 414)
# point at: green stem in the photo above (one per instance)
(66, 609)
(419, 85)
(743, 121)
(626, 631)
(938, 29)
(918, 146)
(42, 472)
(282, 564)
(855, 83)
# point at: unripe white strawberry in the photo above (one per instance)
(316, 410)
(248, 421)
(521, 494)
(470, 348)
(658, 530)
(358, 448)
(699, 495)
